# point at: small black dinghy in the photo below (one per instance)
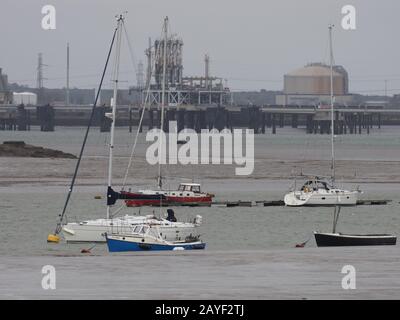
(336, 239)
(340, 239)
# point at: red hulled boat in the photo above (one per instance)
(188, 194)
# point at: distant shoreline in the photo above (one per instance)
(20, 149)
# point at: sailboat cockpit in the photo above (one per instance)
(316, 184)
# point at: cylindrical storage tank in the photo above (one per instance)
(315, 79)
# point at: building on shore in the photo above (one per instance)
(311, 85)
(25, 98)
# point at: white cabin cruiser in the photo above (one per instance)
(318, 192)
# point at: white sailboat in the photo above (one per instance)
(95, 230)
(317, 191)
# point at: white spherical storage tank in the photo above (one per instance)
(25, 98)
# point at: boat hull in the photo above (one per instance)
(145, 202)
(190, 201)
(76, 232)
(339, 240)
(140, 200)
(315, 199)
(120, 244)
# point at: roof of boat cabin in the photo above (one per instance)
(189, 184)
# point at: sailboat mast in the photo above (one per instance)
(114, 105)
(332, 108)
(162, 100)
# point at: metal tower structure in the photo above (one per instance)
(67, 86)
(180, 90)
(173, 66)
(148, 53)
(39, 78)
(206, 69)
(140, 76)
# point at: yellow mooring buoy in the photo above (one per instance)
(53, 238)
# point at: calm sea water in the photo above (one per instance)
(32, 191)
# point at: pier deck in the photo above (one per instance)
(350, 119)
(281, 203)
(301, 273)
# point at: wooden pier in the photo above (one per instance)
(314, 120)
(277, 203)
(281, 203)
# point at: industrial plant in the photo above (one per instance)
(181, 90)
(197, 102)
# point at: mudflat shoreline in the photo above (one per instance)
(19, 170)
(302, 273)
(19, 149)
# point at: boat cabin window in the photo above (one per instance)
(144, 229)
(185, 187)
(315, 185)
(323, 185)
(137, 229)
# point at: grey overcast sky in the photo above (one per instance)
(252, 43)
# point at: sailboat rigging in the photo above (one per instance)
(316, 191)
(332, 106)
(162, 100)
(112, 116)
(95, 230)
(55, 237)
(187, 193)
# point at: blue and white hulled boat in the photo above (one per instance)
(148, 238)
